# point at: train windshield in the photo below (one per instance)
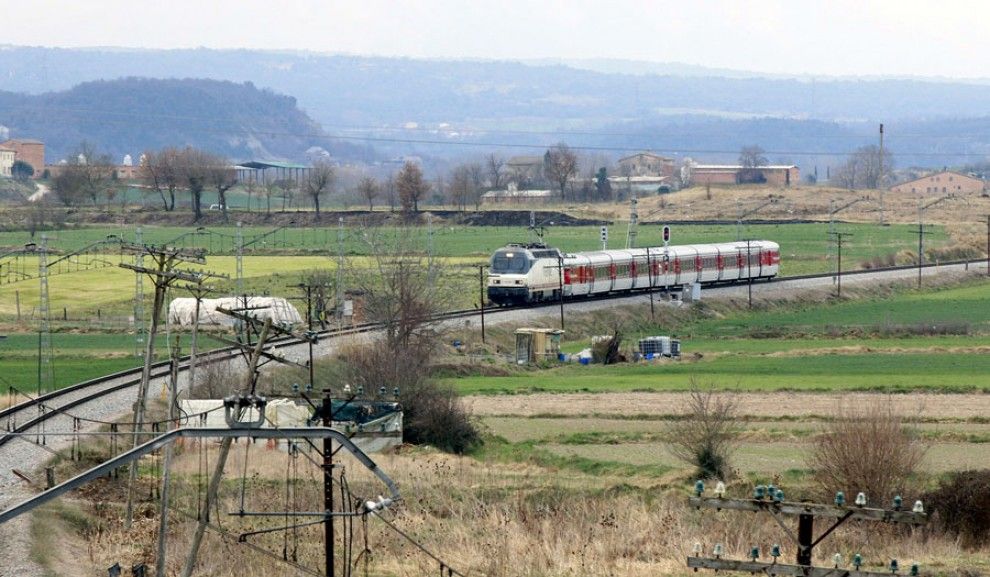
(510, 262)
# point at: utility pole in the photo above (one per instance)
(921, 230)
(163, 275)
(214, 484)
(198, 291)
(838, 237)
(560, 293)
(328, 528)
(166, 467)
(139, 335)
(340, 272)
(880, 177)
(481, 299)
(771, 501)
(240, 260)
(46, 368)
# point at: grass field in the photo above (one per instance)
(803, 246)
(77, 357)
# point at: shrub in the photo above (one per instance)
(866, 449)
(433, 414)
(707, 434)
(960, 506)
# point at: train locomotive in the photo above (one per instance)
(534, 273)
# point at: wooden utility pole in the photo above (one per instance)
(807, 513)
(214, 485)
(838, 238)
(481, 299)
(163, 274)
(328, 528)
(167, 465)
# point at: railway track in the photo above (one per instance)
(35, 413)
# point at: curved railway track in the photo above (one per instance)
(36, 412)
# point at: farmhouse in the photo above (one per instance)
(946, 182)
(646, 164)
(7, 157)
(29, 151)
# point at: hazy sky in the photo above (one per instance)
(839, 37)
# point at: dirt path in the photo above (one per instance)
(929, 406)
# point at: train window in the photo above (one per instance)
(510, 262)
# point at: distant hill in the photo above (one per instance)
(451, 108)
(130, 115)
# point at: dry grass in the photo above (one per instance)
(500, 520)
(797, 202)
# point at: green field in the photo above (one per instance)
(816, 348)
(77, 357)
(803, 246)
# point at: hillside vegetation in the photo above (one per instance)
(130, 115)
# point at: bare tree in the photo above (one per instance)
(708, 432)
(866, 448)
(402, 293)
(319, 180)
(751, 158)
(286, 188)
(870, 166)
(411, 187)
(862, 169)
(476, 173)
(270, 188)
(390, 192)
(460, 186)
(160, 170)
(496, 170)
(195, 167)
(222, 177)
(560, 164)
(369, 190)
(87, 176)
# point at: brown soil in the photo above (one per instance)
(926, 405)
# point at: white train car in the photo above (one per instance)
(534, 273)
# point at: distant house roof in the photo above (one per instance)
(940, 173)
(24, 141)
(650, 154)
(638, 179)
(740, 167)
(263, 164)
(502, 194)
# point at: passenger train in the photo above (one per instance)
(533, 273)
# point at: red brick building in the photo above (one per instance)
(29, 151)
